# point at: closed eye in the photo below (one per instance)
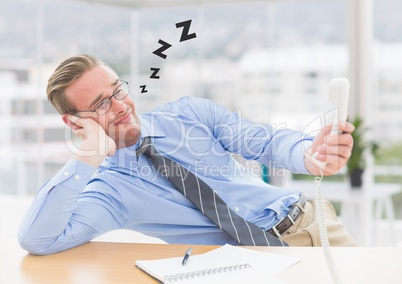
(102, 104)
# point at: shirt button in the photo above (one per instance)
(76, 177)
(236, 209)
(66, 173)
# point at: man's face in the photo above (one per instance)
(121, 122)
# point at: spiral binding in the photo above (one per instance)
(204, 272)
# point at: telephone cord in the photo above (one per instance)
(319, 214)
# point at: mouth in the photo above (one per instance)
(124, 119)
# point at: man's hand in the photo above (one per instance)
(96, 144)
(334, 150)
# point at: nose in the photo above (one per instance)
(117, 106)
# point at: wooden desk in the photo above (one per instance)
(99, 262)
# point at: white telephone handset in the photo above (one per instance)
(339, 95)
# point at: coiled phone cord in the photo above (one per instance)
(319, 215)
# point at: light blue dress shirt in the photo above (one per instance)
(126, 192)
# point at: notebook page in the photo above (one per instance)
(259, 265)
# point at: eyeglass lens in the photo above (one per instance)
(120, 93)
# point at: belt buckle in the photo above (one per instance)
(300, 207)
(275, 229)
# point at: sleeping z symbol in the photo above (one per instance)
(153, 75)
(165, 46)
(161, 49)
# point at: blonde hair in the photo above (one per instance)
(65, 74)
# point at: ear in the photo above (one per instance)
(68, 122)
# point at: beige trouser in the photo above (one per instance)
(305, 230)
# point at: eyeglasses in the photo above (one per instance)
(104, 106)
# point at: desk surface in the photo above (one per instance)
(101, 262)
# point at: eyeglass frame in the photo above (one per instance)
(104, 100)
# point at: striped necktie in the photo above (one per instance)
(207, 201)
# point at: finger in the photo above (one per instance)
(322, 149)
(72, 118)
(340, 139)
(77, 120)
(336, 162)
(325, 130)
(80, 132)
(346, 127)
(320, 157)
(344, 152)
(320, 138)
(338, 151)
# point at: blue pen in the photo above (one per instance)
(186, 256)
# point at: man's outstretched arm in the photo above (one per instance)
(57, 220)
(64, 215)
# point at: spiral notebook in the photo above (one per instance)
(226, 264)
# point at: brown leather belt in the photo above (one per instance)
(286, 222)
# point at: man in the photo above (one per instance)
(107, 185)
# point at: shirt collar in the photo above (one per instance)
(150, 128)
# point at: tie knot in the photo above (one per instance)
(147, 148)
